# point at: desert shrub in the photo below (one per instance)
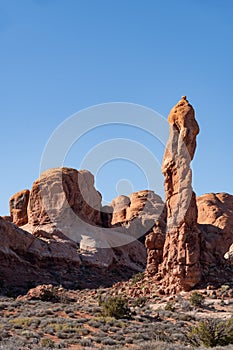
(136, 278)
(184, 304)
(139, 302)
(224, 289)
(84, 332)
(161, 335)
(4, 334)
(62, 335)
(81, 320)
(109, 341)
(116, 307)
(21, 322)
(49, 295)
(157, 345)
(212, 332)
(85, 342)
(196, 299)
(169, 307)
(184, 317)
(47, 343)
(94, 323)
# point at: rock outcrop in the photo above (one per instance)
(215, 218)
(154, 243)
(137, 213)
(59, 230)
(66, 200)
(65, 231)
(25, 258)
(18, 207)
(180, 267)
(61, 194)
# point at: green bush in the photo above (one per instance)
(47, 343)
(169, 307)
(196, 299)
(116, 307)
(212, 332)
(139, 302)
(136, 278)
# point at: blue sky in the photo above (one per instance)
(58, 57)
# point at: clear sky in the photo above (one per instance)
(60, 56)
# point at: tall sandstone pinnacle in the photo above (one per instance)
(180, 268)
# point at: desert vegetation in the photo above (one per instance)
(99, 319)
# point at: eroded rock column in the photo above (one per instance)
(180, 268)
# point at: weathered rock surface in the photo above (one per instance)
(18, 207)
(65, 232)
(66, 200)
(25, 258)
(215, 216)
(130, 219)
(61, 194)
(154, 243)
(180, 268)
(7, 218)
(138, 213)
(66, 235)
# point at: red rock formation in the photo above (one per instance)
(119, 205)
(18, 207)
(154, 243)
(25, 258)
(66, 200)
(137, 213)
(215, 216)
(7, 218)
(64, 231)
(61, 192)
(180, 269)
